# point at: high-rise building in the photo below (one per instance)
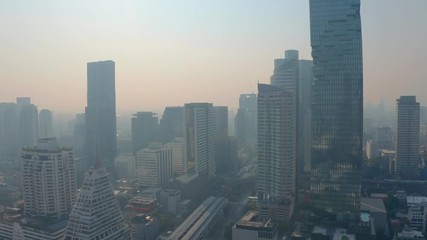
(101, 136)
(45, 124)
(337, 108)
(179, 165)
(154, 166)
(304, 123)
(408, 138)
(9, 127)
(384, 138)
(246, 120)
(125, 165)
(96, 213)
(171, 124)
(276, 179)
(199, 138)
(48, 179)
(221, 138)
(144, 130)
(28, 122)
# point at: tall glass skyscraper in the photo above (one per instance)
(337, 107)
(101, 134)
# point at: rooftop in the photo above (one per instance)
(373, 205)
(250, 220)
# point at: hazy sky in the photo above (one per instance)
(173, 52)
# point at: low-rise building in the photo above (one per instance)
(169, 200)
(144, 227)
(251, 227)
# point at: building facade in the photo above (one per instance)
(96, 213)
(45, 123)
(144, 130)
(179, 165)
(199, 138)
(337, 106)
(408, 138)
(101, 133)
(154, 166)
(246, 120)
(276, 179)
(48, 180)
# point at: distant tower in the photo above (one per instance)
(246, 120)
(171, 124)
(408, 138)
(154, 166)
(45, 123)
(144, 130)
(28, 122)
(9, 131)
(199, 138)
(276, 179)
(101, 114)
(221, 138)
(96, 213)
(48, 179)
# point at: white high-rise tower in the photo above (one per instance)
(48, 179)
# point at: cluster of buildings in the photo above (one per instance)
(305, 128)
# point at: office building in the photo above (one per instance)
(48, 179)
(221, 138)
(384, 138)
(101, 133)
(276, 179)
(304, 123)
(337, 107)
(154, 166)
(144, 130)
(251, 227)
(171, 124)
(96, 213)
(170, 199)
(45, 123)
(199, 138)
(125, 167)
(28, 122)
(408, 138)
(372, 150)
(9, 131)
(246, 120)
(144, 227)
(179, 165)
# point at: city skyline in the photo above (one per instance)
(180, 48)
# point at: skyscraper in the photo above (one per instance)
(408, 138)
(96, 213)
(221, 138)
(101, 133)
(199, 138)
(246, 119)
(171, 124)
(144, 130)
(337, 106)
(45, 124)
(276, 179)
(48, 179)
(28, 122)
